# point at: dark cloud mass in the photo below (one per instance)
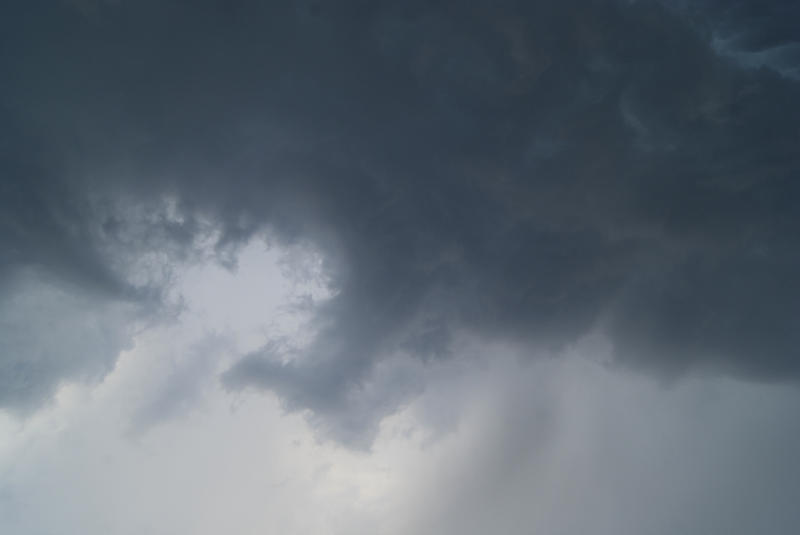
(524, 171)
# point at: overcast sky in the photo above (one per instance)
(422, 267)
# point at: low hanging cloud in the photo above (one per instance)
(49, 334)
(520, 171)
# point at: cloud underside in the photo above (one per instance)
(526, 173)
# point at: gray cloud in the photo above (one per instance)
(526, 172)
(346, 404)
(49, 334)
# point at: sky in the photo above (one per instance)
(422, 267)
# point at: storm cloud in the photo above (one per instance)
(520, 171)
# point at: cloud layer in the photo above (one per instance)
(522, 172)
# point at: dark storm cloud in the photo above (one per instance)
(755, 34)
(523, 171)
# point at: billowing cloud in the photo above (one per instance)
(525, 172)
